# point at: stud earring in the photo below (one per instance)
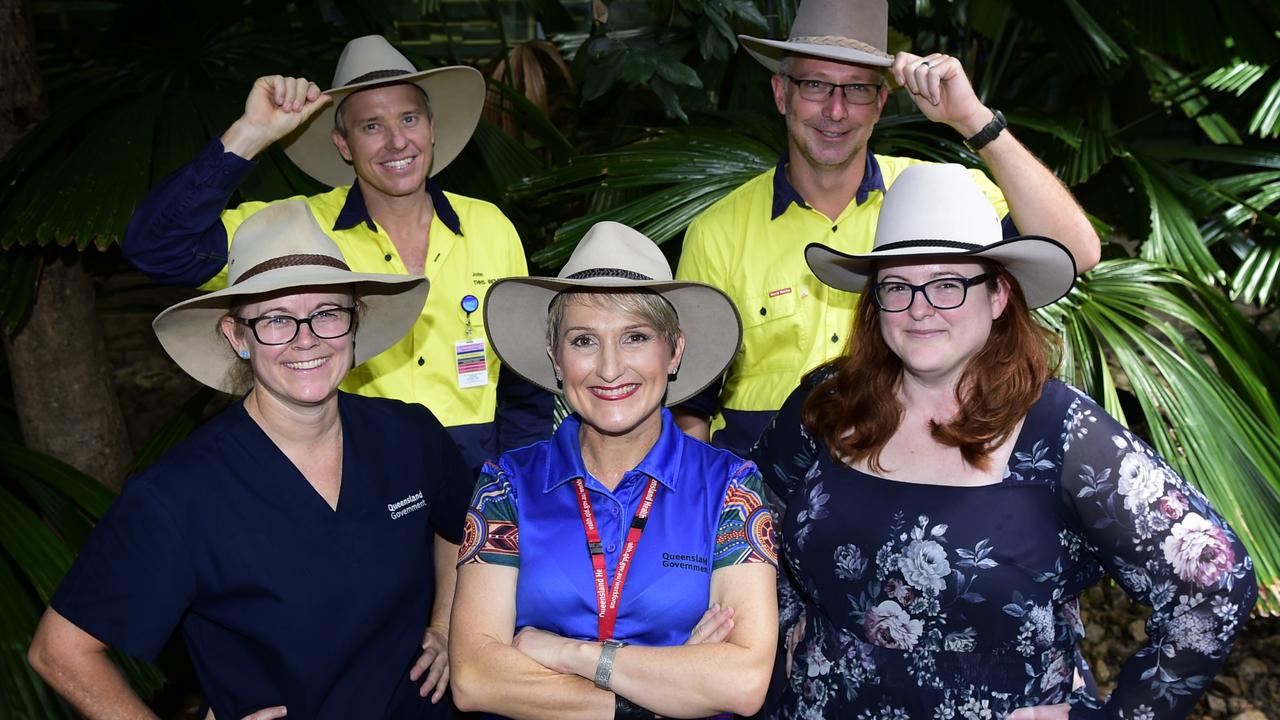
(244, 354)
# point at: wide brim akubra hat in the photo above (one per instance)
(278, 248)
(938, 213)
(456, 94)
(612, 256)
(853, 31)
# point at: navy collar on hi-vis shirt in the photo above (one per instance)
(355, 212)
(662, 463)
(784, 193)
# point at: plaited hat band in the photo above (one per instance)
(291, 261)
(836, 41)
(607, 272)
(904, 244)
(376, 75)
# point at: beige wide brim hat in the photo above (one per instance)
(279, 248)
(456, 94)
(612, 256)
(852, 31)
(937, 213)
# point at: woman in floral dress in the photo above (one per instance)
(945, 501)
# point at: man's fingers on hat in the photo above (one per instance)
(295, 94)
(928, 74)
(902, 61)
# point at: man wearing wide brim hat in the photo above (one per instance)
(377, 136)
(830, 81)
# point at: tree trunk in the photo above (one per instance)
(62, 387)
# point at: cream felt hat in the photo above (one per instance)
(937, 213)
(853, 31)
(456, 94)
(612, 256)
(278, 248)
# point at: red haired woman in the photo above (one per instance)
(947, 500)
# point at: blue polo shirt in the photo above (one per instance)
(709, 513)
(281, 599)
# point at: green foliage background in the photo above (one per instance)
(1162, 117)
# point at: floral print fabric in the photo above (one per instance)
(933, 602)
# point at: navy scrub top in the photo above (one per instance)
(282, 600)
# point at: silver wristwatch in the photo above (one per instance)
(604, 667)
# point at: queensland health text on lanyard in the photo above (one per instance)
(607, 596)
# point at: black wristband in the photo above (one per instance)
(988, 133)
(624, 709)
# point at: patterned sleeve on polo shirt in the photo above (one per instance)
(745, 533)
(492, 532)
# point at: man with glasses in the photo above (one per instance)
(830, 84)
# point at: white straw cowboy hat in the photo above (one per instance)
(853, 31)
(613, 256)
(456, 95)
(937, 213)
(278, 248)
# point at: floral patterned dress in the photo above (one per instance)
(913, 601)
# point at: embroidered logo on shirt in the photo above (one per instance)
(685, 562)
(406, 506)
(781, 291)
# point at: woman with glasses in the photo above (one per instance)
(945, 500)
(293, 536)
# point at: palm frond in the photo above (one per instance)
(675, 175)
(1173, 87)
(1258, 278)
(1266, 121)
(1174, 239)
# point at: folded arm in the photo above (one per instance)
(693, 680)
(489, 674)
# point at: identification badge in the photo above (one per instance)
(473, 366)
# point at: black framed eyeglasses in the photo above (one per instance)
(945, 293)
(325, 324)
(820, 90)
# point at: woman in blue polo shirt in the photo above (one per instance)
(622, 568)
(291, 537)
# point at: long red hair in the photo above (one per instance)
(856, 409)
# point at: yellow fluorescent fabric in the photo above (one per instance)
(422, 367)
(791, 321)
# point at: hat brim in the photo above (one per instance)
(1042, 266)
(515, 312)
(457, 97)
(770, 52)
(189, 332)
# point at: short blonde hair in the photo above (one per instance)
(645, 304)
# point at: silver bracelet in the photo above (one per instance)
(604, 666)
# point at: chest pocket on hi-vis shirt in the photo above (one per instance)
(771, 323)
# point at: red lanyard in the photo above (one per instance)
(607, 597)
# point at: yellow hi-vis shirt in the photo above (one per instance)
(750, 244)
(423, 366)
